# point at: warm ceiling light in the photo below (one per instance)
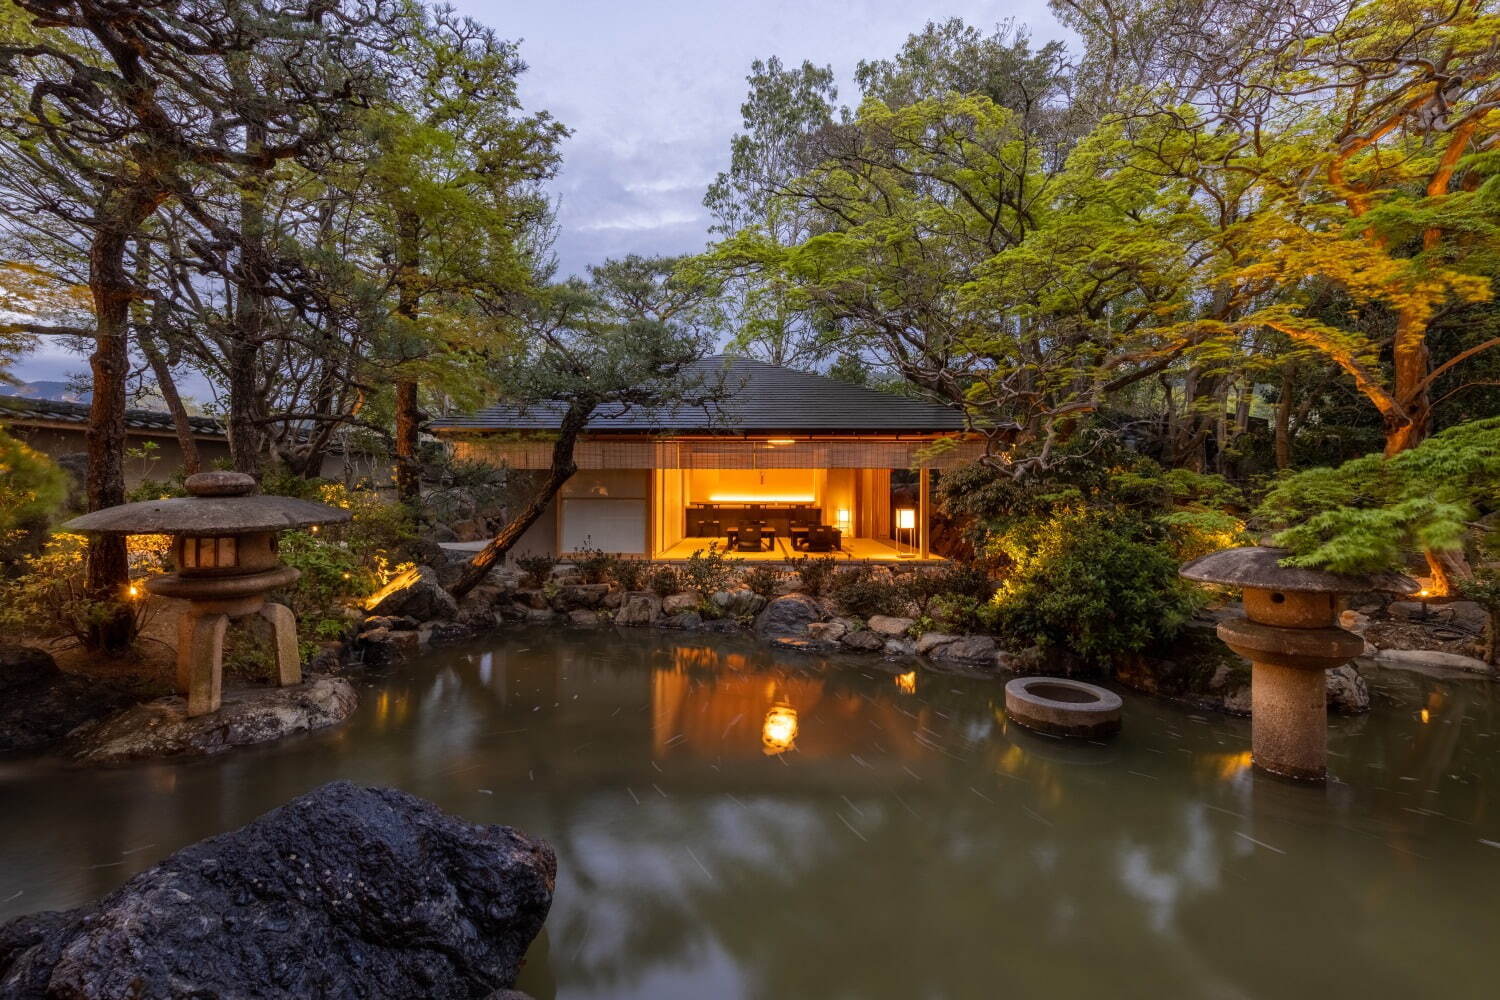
(760, 498)
(781, 441)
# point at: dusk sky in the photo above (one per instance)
(652, 92)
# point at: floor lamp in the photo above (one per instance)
(906, 520)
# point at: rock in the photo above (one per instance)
(1347, 691)
(787, 617)
(444, 633)
(1420, 658)
(580, 595)
(612, 600)
(676, 604)
(929, 642)
(534, 599)
(344, 892)
(329, 658)
(639, 607)
(1465, 614)
(162, 728)
(420, 595)
(583, 618)
(890, 626)
(483, 597)
(540, 616)
(479, 619)
(865, 640)
(900, 647)
(968, 649)
(39, 704)
(1354, 621)
(376, 648)
(740, 603)
(1237, 701)
(392, 623)
(827, 631)
(683, 619)
(796, 644)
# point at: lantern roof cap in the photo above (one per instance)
(1259, 566)
(221, 503)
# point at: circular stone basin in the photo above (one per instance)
(1060, 707)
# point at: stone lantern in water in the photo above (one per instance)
(224, 546)
(1290, 635)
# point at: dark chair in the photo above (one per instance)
(710, 529)
(822, 538)
(749, 539)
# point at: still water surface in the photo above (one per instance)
(732, 822)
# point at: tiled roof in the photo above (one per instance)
(20, 408)
(759, 397)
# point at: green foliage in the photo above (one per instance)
(708, 572)
(32, 488)
(864, 592)
(48, 599)
(630, 574)
(666, 580)
(1370, 513)
(921, 588)
(1089, 582)
(594, 565)
(763, 580)
(334, 576)
(815, 572)
(537, 567)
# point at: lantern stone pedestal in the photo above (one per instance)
(1290, 635)
(224, 545)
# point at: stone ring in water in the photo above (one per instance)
(1060, 707)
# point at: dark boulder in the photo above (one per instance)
(418, 594)
(345, 892)
(40, 704)
(788, 617)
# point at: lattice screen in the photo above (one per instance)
(727, 454)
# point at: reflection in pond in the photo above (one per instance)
(732, 822)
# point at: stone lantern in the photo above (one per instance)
(1290, 635)
(224, 546)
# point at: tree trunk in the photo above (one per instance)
(246, 441)
(110, 286)
(191, 462)
(560, 472)
(1447, 567)
(408, 418)
(1284, 419)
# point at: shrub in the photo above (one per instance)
(665, 580)
(630, 574)
(333, 576)
(763, 580)
(538, 568)
(708, 572)
(49, 598)
(816, 572)
(32, 488)
(594, 565)
(1095, 584)
(859, 591)
(922, 587)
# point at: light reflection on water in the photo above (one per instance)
(731, 822)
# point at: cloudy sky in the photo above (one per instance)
(652, 91)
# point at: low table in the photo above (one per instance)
(767, 537)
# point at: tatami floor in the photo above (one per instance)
(854, 550)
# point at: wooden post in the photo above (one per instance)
(924, 513)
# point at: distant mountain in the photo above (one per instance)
(43, 389)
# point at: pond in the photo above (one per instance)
(734, 822)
